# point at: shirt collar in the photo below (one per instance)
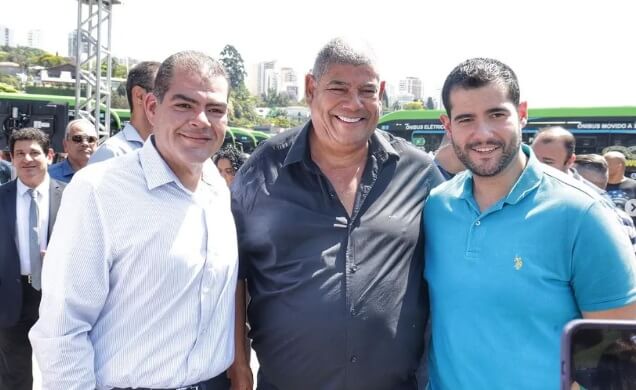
(527, 181)
(66, 168)
(299, 150)
(131, 134)
(41, 189)
(158, 172)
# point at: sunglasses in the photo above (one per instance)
(83, 138)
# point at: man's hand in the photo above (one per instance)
(240, 375)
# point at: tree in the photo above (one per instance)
(48, 60)
(116, 70)
(415, 105)
(234, 65)
(430, 104)
(274, 99)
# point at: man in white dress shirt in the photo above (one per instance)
(140, 82)
(141, 271)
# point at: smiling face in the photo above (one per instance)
(485, 128)
(190, 122)
(345, 105)
(30, 162)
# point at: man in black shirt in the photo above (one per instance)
(330, 240)
(621, 189)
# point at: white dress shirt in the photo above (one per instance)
(22, 228)
(138, 280)
(126, 141)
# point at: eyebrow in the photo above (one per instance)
(188, 99)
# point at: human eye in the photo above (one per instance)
(183, 106)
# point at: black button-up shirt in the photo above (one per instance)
(337, 302)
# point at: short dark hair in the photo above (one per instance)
(233, 155)
(190, 61)
(549, 134)
(478, 72)
(591, 162)
(142, 75)
(29, 134)
(344, 52)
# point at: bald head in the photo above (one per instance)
(555, 146)
(616, 162)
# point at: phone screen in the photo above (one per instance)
(603, 358)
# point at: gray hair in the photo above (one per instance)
(190, 62)
(84, 123)
(343, 52)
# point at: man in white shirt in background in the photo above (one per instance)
(140, 82)
(141, 272)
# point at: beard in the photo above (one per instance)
(489, 169)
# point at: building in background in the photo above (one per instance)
(7, 36)
(411, 86)
(72, 41)
(34, 38)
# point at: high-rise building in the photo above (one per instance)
(411, 85)
(7, 36)
(289, 83)
(34, 38)
(72, 41)
(267, 77)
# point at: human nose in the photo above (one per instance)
(201, 119)
(353, 101)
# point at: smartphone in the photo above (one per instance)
(598, 354)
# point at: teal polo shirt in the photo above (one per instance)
(504, 282)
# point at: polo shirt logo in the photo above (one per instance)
(518, 263)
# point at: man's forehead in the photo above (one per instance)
(26, 144)
(348, 72)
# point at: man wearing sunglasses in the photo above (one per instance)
(79, 142)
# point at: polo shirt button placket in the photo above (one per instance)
(477, 223)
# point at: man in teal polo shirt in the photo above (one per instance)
(513, 250)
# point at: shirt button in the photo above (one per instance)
(478, 223)
(353, 269)
(353, 312)
(354, 359)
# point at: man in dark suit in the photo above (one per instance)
(28, 206)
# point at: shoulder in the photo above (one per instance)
(566, 188)
(8, 187)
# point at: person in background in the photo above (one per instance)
(329, 229)
(140, 82)
(621, 189)
(555, 147)
(5, 171)
(229, 160)
(140, 274)
(514, 249)
(28, 206)
(80, 141)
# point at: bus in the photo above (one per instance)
(596, 129)
(245, 140)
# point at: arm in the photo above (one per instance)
(622, 313)
(75, 280)
(604, 267)
(240, 373)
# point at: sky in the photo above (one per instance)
(565, 52)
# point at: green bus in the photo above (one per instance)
(245, 140)
(596, 129)
(115, 118)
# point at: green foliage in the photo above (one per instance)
(49, 60)
(274, 99)
(118, 101)
(233, 63)
(116, 70)
(24, 56)
(242, 110)
(7, 88)
(415, 105)
(430, 104)
(10, 80)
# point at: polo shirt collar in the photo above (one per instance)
(299, 150)
(157, 172)
(528, 180)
